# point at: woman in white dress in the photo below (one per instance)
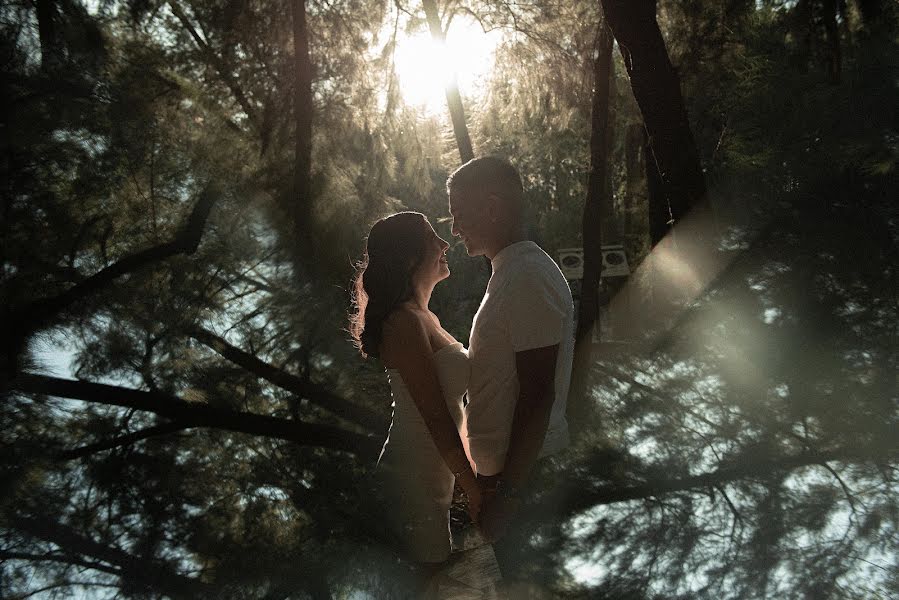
(428, 371)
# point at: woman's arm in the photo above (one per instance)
(406, 347)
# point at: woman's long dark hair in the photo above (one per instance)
(383, 277)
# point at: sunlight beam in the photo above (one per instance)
(424, 66)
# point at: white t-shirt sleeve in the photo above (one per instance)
(534, 311)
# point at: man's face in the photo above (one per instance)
(469, 221)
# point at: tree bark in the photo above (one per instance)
(656, 88)
(597, 208)
(192, 414)
(453, 97)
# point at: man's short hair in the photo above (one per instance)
(488, 174)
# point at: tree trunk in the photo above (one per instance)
(659, 210)
(832, 31)
(656, 88)
(453, 97)
(597, 210)
(300, 200)
(47, 27)
(635, 187)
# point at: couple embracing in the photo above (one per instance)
(484, 418)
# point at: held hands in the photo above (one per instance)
(497, 509)
(491, 505)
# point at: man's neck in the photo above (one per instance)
(505, 242)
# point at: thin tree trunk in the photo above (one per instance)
(300, 200)
(832, 31)
(656, 88)
(597, 209)
(453, 97)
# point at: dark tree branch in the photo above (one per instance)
(314, 393)
(598, 201)
(29, 319)
(190, 414)
(150, 575)
(850, 497)
(60, 558)
(738, 518)
(577, 496)
(122, 440)
(216, 62)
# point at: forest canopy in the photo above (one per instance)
(187, 186)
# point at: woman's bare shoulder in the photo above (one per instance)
(405, 334)
(404, 319)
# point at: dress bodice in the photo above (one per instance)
(451, 363)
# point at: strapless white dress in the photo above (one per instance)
(417, 481)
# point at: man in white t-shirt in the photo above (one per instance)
(522, 338)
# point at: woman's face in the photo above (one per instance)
(433, 266)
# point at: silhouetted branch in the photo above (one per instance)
(122, 440)
(60, 558)
(738, 518)
(216, 62)
(850, 497)
(577, 496)
(32, 317)
(314, 393)
(190, 414)
(148, 574)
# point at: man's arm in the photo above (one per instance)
(536, 379)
